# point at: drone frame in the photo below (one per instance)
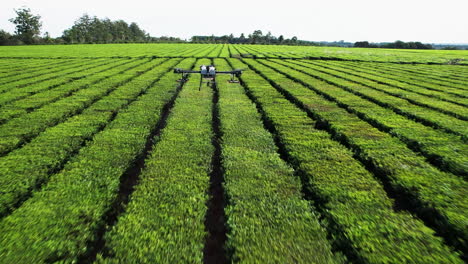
(211, 77)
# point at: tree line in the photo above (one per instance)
(257, 37)
(89, 30)
(394, 45)
(85, 29)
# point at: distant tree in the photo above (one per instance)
(138, 34)
(47, 39)
(361, 44)
(294, 40)
(28, 26)
(280, 39)
(88, 29)
(256, 36)
(268, 38)
(450, 48)
(242, 38)
(5, 38)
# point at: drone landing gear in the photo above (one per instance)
(183, 78)
(232, 80)
(209, 82)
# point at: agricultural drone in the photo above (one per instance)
(208, 74)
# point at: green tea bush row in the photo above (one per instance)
(359, 214)
(164, 221)
(26, 67)
(443, 149)
(435, 92)
(406, 172)
(435, 76)
(265, 205)
(19, 130)
(46, 153)
(20, 93)
(43, 75)
(441, 110)
(31, 102)
(60, 222)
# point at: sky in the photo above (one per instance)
(428, 21)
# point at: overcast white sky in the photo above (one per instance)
(350, 20)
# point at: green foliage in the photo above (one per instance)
(395, 45)
(357, 207)
(68, 211)
(76, 119)
(28, 26)
(407, 172)
(259, 183)
(94, 30)
(444, 146)
(164, 221)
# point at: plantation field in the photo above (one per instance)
(245, 51)
(317, 155)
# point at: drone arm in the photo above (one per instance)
(228, 72)
(177, 70)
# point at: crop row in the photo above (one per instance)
(49, 93)
(265, 205)
(19, 130)
(11, 65)
(445, 150)
(23, 80)
(435, 93)
(215, 51)
(401, 106)
(355, 54)
(422, 85)
(50, 149)
(26, 67)
(442, 112)
(225, 52)
(358, 213)
(71, 209)
(406, 173)
(67, 77)
(434, 74)
(104, 51)
(164, 220)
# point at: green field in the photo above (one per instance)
(318, 155)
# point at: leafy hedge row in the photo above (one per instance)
(433, 92)
(435, 78)
(215, 51)
(19, 130)
(49, 93)
(265, 201)
(53, 81)
(25, 169)
(164, 221)
(427, 110)
(402, 169)
(43, 75)
(18, 69)
(445, 150)
(197, 52)
(25, 92)
(225, 53)
(60, 222)
(359, 213)
(21, 68)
